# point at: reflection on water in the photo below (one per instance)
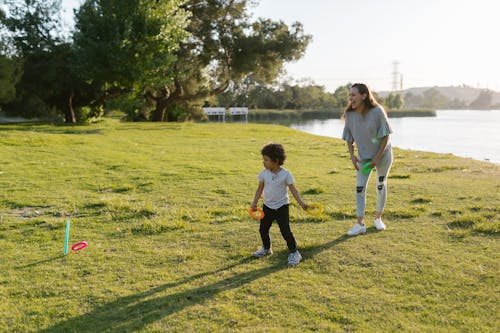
(466, 133)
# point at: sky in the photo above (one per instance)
(434, 42)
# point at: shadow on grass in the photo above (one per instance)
(310, 251)
(41, 261)
(134, 312)
(49, 127)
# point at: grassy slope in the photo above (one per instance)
(163, 207)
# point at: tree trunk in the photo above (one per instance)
(161, 106)
(69, 115)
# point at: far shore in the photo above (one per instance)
(270, 114)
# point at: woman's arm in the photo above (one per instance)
(354, 159)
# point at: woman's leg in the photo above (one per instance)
(361, 182)
(383, 168)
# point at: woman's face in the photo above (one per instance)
(356, 99)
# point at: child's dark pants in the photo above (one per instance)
(283, 217)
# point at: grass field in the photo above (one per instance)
(164, 210)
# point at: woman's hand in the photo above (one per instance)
(380, 152)
(355, 161)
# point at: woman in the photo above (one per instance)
(367, 126)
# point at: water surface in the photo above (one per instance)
(465, 133)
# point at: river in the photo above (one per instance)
(466, 133)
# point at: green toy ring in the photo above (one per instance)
(366, 168)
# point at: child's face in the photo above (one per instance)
(270, 164)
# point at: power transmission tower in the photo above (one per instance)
(395, 76)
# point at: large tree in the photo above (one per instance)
(225, 46)
(9, 76)
(132, 46)
(33, 39)
(125, 47)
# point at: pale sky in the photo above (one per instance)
(436, 42)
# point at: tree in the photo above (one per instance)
(126, 46)
(30, 26)
(457, 103)
(341, 94)
(483, 101)
(277, 96)
(394, 101)
(34, 40)
(411, 100)
(432, 98)
(225, 47)
(9, 76)
(47, 85)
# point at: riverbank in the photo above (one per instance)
(272, 114)
(163, 207)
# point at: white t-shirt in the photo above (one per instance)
(276, 187)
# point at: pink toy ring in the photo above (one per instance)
(79, 246)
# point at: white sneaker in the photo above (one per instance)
(262, 252)
(379, 224)
(357, 229)
(294, 258)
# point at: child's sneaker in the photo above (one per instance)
(357, 229)
(294, 258)
(379, 224)
(262, 252)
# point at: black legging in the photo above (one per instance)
(281, 215)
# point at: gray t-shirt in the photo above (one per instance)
(276, 187)
(366, 131)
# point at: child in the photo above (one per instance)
(274, 181)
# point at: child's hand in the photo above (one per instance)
(304, 206)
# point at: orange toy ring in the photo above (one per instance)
(256, 213)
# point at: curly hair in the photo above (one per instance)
(275, 151)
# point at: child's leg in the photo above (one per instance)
(361, 182)
(284, 224)
(265, 226)
(383, 168)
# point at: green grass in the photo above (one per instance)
(164, 210)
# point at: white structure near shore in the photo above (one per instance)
(219, 113)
